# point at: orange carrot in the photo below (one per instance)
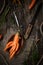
(13, 53)
(32, 4)
(14, 45)
(16, 38)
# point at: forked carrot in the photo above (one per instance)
(14, 45)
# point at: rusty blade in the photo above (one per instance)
(28, 31)
(31, 25)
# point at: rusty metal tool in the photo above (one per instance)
(31, 25)
(28, 31)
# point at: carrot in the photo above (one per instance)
(16, 38)
(8, 45)
(14, 45)
(13, 53)
(32, 4)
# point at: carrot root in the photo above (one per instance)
(32, 4)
